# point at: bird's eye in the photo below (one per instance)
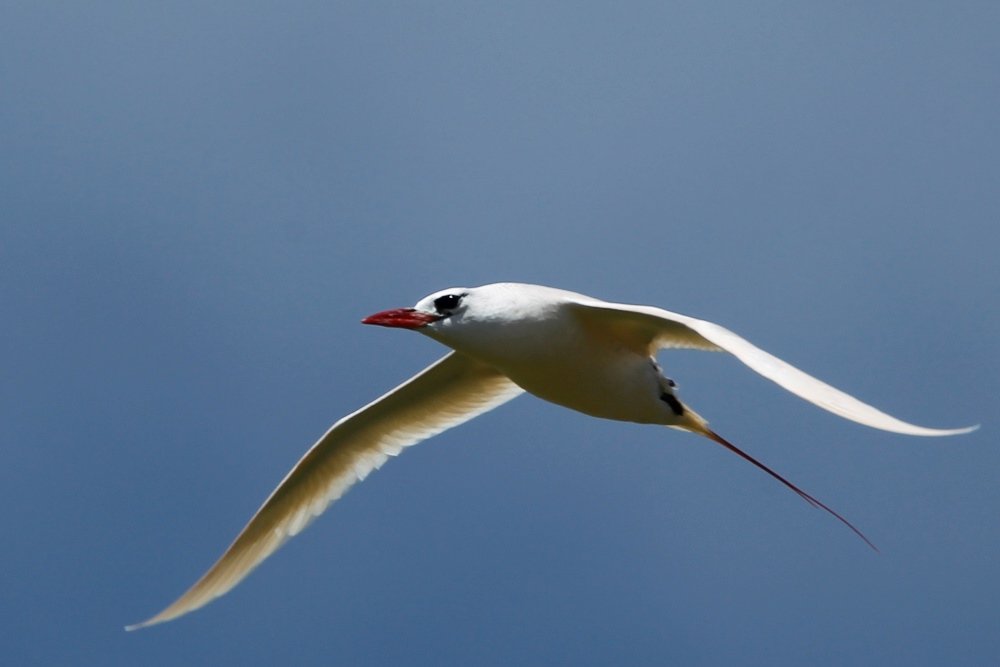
(443, 304)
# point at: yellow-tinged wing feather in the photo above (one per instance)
(446, 394)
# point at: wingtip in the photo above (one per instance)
(155, 620)
(140, 626)
(951, 431)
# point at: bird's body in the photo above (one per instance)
(589, 355)
(573, 366)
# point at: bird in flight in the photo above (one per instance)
(583, 353)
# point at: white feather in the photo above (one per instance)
(451, 391)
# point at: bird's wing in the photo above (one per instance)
(446, 394)
(656, 328)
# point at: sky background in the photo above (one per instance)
(200, 201)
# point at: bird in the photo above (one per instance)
(593, 356)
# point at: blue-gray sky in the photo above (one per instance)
(200, 202)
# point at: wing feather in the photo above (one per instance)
(657, 328)
(446, 394)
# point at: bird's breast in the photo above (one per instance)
(585, 375)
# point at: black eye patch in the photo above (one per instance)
(447, 302)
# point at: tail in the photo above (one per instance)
(696, 424)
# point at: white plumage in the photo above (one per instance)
(586, 354)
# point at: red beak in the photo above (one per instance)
(404, 318)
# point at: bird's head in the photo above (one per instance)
(471, 318)
(433, 310)
(493, 323)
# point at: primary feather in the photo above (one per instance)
(451, 391)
